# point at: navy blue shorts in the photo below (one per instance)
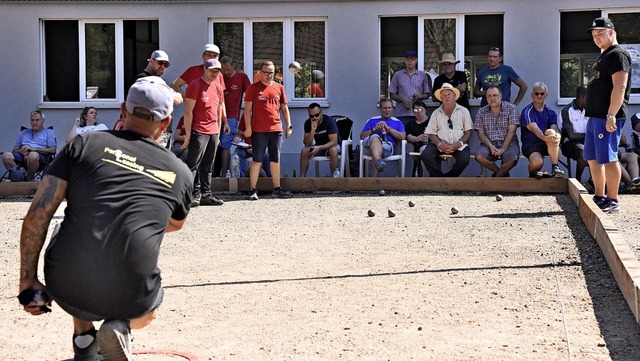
(271, 141)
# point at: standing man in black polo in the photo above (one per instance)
(607, 99)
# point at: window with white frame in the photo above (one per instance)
(578, 52)
(283, 41)
(94, 60)
(432, 36)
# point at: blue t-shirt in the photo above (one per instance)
(500, 77)
(544, 119)
(46, 138)
(392, 123)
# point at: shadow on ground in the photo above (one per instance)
(617, 323)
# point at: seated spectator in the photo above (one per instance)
(88, 122)
(496, 124)
(33, 146)
(630, 168)
(450, 75)
(246, 152)
(178, 139)
(380, 134)
(540, 134)
(574, 126)
(416, 131)
(321, 138)
(449, 131)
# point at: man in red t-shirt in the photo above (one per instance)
(237, 83)
(211, 51)
(204, 101)
(263, 102)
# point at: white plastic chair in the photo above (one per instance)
(399, 155)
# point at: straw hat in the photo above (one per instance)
(448, 58)
(447, 86)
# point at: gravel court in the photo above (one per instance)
(315, 278)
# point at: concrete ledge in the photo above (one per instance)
(622, 261)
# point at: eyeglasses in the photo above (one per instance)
(164, 64)
(317, 115)
(450, 123)
(418, 110)
(268, 73)
(540, 94)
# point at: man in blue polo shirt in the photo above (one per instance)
(32, 147)
(540, 133)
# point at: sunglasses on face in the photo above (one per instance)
(317, 115)
(163, 64)
(418, 110)
(540, 94)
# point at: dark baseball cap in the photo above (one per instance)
(410, 54)
(601, 23)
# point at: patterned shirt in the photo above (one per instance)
(497, 127)
(406, 85)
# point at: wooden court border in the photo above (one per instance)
(621, 260)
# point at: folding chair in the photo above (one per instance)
(345, 126)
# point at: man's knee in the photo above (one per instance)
(141, 322)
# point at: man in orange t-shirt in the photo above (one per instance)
(263, 102)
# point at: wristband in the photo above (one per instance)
(610, 116)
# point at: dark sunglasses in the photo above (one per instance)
(317, 115)
(495, 49)
(540, 94)
(164, 64)
(450, 123)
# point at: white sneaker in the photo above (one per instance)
(336, 174)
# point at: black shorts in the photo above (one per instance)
(540, 147)
(572, 149)
(271, 141)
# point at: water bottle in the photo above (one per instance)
(384, 134)
(235, 166)
(228, 174)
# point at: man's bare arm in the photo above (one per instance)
(51, 192)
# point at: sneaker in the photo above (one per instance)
(114, 340)
(253, 195)
(600, 201)
(336, 174)
(282, 193)
(610, 207)
(380, 165)
(195, 202)
(211, 201)
(557, 172)
(635, 185)
(85, 347)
